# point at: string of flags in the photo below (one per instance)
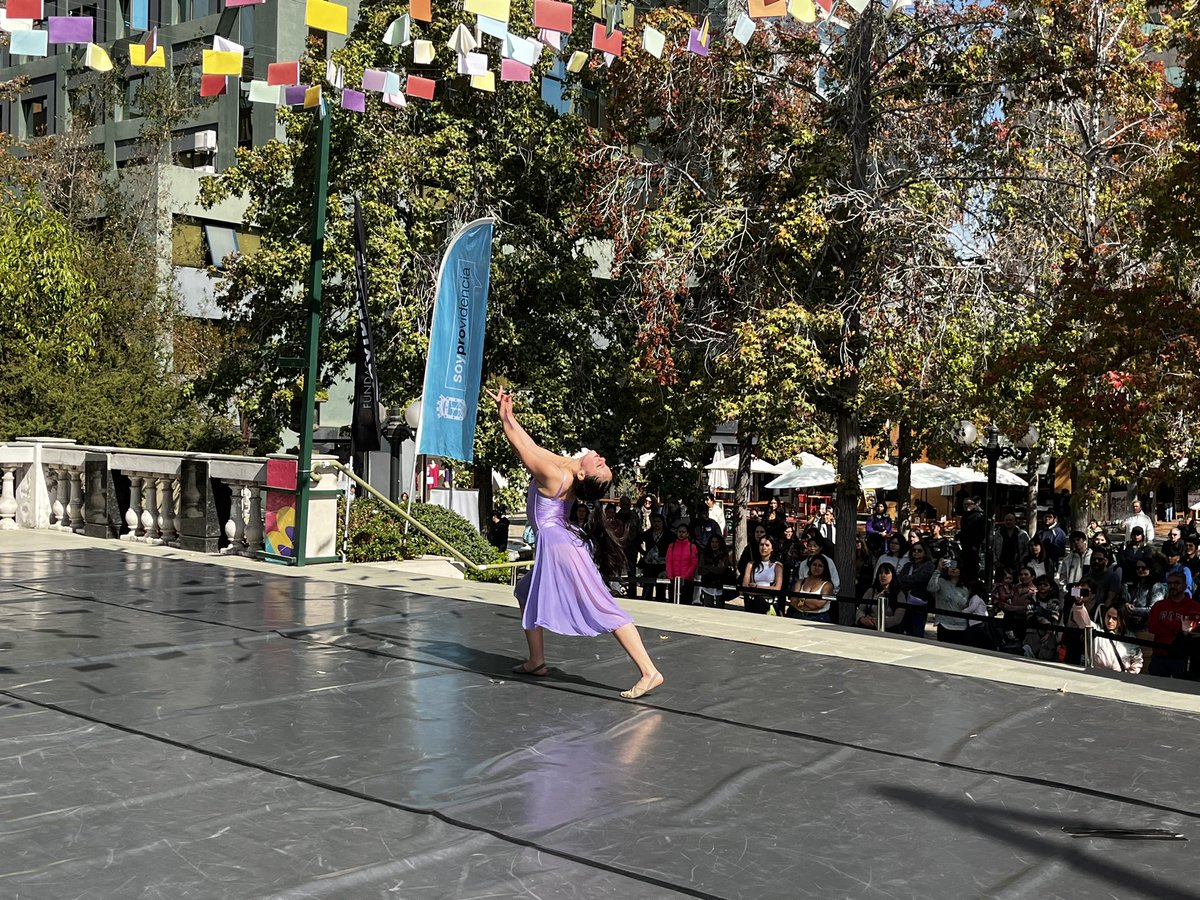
(553, 21)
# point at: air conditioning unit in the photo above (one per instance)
(207, 170)
(205, 141)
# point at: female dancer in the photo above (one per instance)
(564, 592)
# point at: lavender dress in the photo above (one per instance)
(564, 593)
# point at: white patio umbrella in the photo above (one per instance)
(967, 475)
(883, 476)
(730, 464)
(719, 479)
(804, 477)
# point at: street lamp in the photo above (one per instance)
(396, 431)
(966, 433)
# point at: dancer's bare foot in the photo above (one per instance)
(645, 685)
(528, 668)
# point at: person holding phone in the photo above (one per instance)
(949, 596)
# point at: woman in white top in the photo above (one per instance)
(766, 573)
(895, 554)
(818, 591)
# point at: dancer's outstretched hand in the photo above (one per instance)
(503, 404)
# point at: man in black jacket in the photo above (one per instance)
(972, 531)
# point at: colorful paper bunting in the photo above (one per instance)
(355, 101)
(493, 27)
(264, 92)
(326, 16)
(283, 73)
(744, 29)
(484, 82)
(577, 61)
(397, 100)
(391, 84)
(374, 80)
(139, 58)
(335, 75)
(423, 52)
(472, 63)
(696, 43)
(7, 24)
(24, 9)
(493, 9)
(511, 70)
(28, 43)
(230, 4)
(609, 43)
(97, 59)
(552, 15)
(399, 32)
(802, 11)
(653, 41)
(293, 95)
(213, 85)
(521, 49)
(150, 42)
(70, 29)
(858, 5)
(312, 97)
(462, 41)
(550, 38)
(420, 87)
(220, 62)
(421, 10)
(767, 9)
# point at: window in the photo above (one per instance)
(222, 241)
(35, 117)
(132, 88)
(187, 244)
(552, 88)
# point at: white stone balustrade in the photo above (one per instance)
(147, 496)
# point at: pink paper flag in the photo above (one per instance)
(283, 73)
(511, 70)
(71, 29)
(213, 85)
(355, 101)
(420, 87)
(25, 9)
(229, 4)
(373, 80)
(553, 15)
(609, 43)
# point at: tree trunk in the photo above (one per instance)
(1031, 492)
(848, 492)
(741, 490)
(903, 478)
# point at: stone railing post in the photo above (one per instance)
(8, 497)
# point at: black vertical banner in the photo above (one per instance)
(365, 425)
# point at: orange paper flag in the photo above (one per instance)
(421, 10)
(767, 9)
(420, 87)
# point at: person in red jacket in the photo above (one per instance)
(1175, 614)
(682, 559)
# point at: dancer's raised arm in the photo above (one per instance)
(547, 467)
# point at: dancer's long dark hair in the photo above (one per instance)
(605, 541)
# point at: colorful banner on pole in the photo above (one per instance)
(453, 370)
(364, 423)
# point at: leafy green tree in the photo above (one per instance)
(420, 173)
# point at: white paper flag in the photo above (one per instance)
(653, 41)
(744, 29)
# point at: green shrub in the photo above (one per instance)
(377, 534)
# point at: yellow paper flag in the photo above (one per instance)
(802, 10)
(493, 9)
(220, 62)
(312, 97)
(484, 82)
(137, 57)
(96, 57)
(627, 17)
(326, 16)
(577, 62)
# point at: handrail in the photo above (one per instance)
(453, 551)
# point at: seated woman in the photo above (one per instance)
(1108, 651)
(886, 586)
(766, 574)
(818, 591)
(713, 572)
(896, 553)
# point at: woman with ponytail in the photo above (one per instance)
(565, 592)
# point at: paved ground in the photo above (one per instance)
(175, 725)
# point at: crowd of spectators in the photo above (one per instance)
(1047, 587)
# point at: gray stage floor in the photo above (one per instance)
(170, 729)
